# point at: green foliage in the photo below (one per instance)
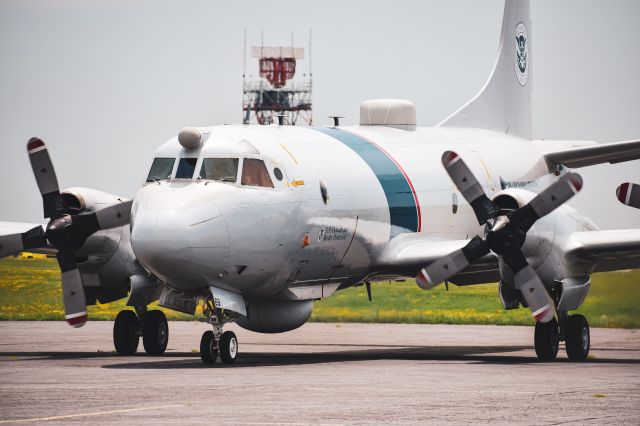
(612, 302)
(30, 290)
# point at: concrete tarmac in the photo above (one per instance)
(318, 374)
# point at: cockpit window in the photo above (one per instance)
(186, 167)
(161, 169)
(223, 169)
(254, 173)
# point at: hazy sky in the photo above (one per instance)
(105, 82)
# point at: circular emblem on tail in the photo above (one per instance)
(521, 65)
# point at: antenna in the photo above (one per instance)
(310, 72)
(245, 118)
(244, 55)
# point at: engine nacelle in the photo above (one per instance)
(276, 317)
(79, 198)
(546, 242)
(105, 260)
(100, 246)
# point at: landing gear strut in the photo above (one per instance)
(572, 329)
(152, 326)
(216, 342)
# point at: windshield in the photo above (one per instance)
(223, 169)
(161, 169)
(254, 173)
(186, 167)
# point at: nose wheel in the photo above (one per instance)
(208, 348)
(226, 346)
(215, 342)
(572, 329)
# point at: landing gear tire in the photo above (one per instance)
(208, 351)
(155, 332)
(126, 333)
(228, 347)
(547, 340)
(578, 339)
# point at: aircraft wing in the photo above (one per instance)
(408, 253)
(615, 152)
(610, 250)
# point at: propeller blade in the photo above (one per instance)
(535, 294)
(45, 177)
(114, 216)
(110, 217)
(446, 267)
(547, 201)
(629, 194)
(469, 187)
(75, 309)
(15, 243)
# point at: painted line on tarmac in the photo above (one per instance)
(97, 413)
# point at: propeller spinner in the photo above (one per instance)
(66, 231)
(505, 235)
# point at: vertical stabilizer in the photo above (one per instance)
(504, 103)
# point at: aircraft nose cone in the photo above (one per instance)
(185, 243)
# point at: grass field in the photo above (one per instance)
(30, 290)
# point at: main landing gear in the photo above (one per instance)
(572, 329)
(216, 342)
(151, 325)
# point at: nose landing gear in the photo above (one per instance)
(571, 329)
(216, 342)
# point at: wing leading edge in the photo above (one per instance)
(615, 152)
(408, 253)
(609, 250)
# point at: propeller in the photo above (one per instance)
(67, 231)
(505, 234)
(629, 194)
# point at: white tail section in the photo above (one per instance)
(504, 103)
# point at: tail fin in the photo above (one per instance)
(504, 103)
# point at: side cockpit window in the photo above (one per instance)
(254, 173)
(186, 167)
(161, 169)
(222, 169)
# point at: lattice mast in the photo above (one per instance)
(276, 92)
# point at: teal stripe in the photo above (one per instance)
(403, 212)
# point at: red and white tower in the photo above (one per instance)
(277, 92)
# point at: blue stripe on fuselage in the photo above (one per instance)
(403, 211)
